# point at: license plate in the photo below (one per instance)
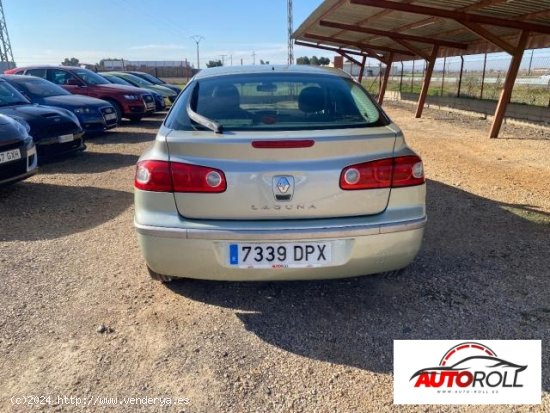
(280, 255)
(110, 116)
(9, 156)
(150, 105)
(66, 138)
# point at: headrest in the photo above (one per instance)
(228, 93)
(311, 99)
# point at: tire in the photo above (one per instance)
(118, 109)
(158, 277)
(135, 118)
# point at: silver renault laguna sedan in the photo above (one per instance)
(277, 173)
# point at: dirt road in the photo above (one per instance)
(70, 263)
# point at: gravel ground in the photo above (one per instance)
(79, 316)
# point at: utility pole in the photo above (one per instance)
(6, 54)
(223, 59)
(197, 39)
(290, 42)
(231, 59)
(253, 57)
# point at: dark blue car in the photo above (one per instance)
(55, 130)
(95, 115)
(17, 151)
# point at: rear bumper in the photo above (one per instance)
(204, 253)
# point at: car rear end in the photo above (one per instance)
(298, 175)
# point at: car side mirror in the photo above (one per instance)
(74, 82)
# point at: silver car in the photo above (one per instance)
(277, 173)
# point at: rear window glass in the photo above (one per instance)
(277, 102)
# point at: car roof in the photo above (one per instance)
(258, 69)
(52, 67)
(22, 77)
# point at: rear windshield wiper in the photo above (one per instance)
(202, 120)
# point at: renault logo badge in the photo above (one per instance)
(283, 187)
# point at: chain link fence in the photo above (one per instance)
(475, 77)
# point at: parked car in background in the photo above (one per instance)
(55, 131)
(160, 105)
(168, 94)
(128, 102)
(155, 80)
(275, 173)
(18, 159)
(95, 115)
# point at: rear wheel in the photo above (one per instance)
(158, 277)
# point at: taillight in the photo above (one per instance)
(193, 178)
(384, 173)
(153, 176)
(163, 176)
(407, 171)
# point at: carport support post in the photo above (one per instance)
(401, 79)
(483, 76)
(426, 84)
(460, 78)
(362, 69)
(385, 80)
(506, 93)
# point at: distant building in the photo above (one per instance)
(354, 69)
(158, 68)
(121, 64)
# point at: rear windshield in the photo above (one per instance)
(277, 102)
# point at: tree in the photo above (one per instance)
(214, 63)
(262, 62)
(314, 60)
(73, 61)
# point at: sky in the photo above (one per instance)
(47, 31)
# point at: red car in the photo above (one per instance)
(128, 101)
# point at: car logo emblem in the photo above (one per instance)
(283, 187)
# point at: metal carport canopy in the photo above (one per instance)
(427, 29)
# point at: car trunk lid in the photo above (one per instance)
(282, 175)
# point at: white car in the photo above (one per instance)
(277, 173)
